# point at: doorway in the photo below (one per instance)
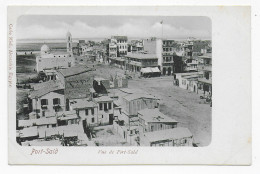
(111, 118)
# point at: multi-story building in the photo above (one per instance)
(191, 65)
(86, 110)
(46, 100)
(165, 51)
(151, 120)
(76, 81)
(105, 110)
(121, 42)
(205, 83)
(112, 49)
(136, 46)
(127, 122)
(136, 61)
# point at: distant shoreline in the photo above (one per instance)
(87, 39)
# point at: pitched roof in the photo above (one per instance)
(175, 133)
(50, 83)
(82, 103)
(154, 115)
(41, 92)
(74, 70)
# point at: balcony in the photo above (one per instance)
(168, 61)
(205, 67)
(149, 64)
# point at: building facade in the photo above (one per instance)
(205, 83)
(55, 60)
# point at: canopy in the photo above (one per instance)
(146, 70)
(150, 70)
(155, 69)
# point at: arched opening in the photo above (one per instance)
(169, 71)
(194, 88)
(164, 71)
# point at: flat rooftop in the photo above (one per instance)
(155, 116)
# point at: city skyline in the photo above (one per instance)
(55, 27)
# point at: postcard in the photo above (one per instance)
(129, 85)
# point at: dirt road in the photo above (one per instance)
(182, 105)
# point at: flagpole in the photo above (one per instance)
(162, 29)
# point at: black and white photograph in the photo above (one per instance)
(125, 85)
(113, 80)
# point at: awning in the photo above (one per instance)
(150, 70)
(155, 69)
(146, 70)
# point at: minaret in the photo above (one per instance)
(69, 42)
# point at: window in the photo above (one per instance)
(56, 101)
(86, 111)
(100, 106)
(44, 102)
(93, 120)
(105, 106)
(161, 125)
(109, 106)
(92, 111)
(43, 113)
(151, 128)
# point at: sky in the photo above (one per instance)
(56, 27)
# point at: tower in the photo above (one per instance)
(69, 42)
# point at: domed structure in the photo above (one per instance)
(45, 49)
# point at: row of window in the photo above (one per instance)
(167, 49)
(167, 42)
(167, 59)
(121, 41)
(122, 47)
(55, 101)
(87, 111)
(105, 106)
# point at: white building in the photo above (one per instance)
(46, 100)
(55, 60)
(105, 110)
